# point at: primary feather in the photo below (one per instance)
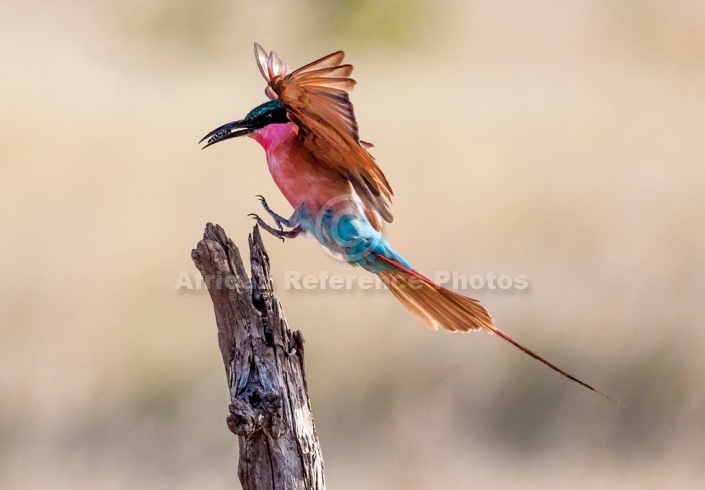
(316, 97)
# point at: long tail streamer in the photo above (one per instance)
(434, 306)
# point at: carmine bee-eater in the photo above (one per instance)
(339, 194)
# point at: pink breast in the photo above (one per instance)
(298, 175)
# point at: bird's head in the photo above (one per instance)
(272, 112)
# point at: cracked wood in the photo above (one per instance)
(270, 411)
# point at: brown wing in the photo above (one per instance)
(317, 100)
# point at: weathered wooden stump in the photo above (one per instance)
(270, 411)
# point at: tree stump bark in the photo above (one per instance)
(270, 411)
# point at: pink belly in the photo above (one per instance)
(297, 174)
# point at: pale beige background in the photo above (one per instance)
(564, 141)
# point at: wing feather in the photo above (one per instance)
(317, 100)
(331, 60)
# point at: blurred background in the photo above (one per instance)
(563, 141)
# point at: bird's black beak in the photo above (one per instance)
(227, 131)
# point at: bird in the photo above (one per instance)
(339, 194)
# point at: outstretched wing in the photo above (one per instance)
(317, 100)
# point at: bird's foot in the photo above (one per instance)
(280, 233)
(279, 220)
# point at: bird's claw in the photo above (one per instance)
(265, 226)
(277, 218)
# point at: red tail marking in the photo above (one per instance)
(412, 272)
